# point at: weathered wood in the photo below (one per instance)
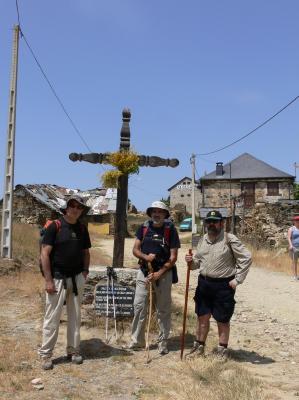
(120, 226)
(122, 197)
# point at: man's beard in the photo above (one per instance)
(213, 230)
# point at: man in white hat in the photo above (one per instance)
(157, 244)
(65, 262)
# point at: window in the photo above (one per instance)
(182, 195)
(272, 188)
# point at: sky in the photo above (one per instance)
(196, 75)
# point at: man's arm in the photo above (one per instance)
(242, 257)
(138, 253)
(46, 266)
(167, 266)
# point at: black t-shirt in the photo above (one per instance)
(155, 241)
(68, 243)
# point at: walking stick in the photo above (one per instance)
(185, 307)
(113, 301)
(107, 306)
(150, 270)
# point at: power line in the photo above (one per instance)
(51, 85)
(251, 132)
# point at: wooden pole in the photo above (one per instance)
(185, 308)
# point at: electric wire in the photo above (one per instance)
(51, 85)
(251, 132)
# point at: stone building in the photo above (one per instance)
(34, 204)
(243, 181)
(180, 195)
(247, 179)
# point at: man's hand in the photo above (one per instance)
(154, 276)
(50, 287)
(85, 274)
(188, 258)
(233, 284)
(150, 257)
(290, 247)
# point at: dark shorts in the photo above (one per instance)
(216, 298)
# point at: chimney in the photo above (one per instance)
(219, 168)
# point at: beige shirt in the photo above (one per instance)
(223, 258)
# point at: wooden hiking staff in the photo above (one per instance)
(185, 307)
(150, 270)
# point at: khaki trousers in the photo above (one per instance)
(163, 307)
(53, 310)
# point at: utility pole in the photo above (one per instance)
(7, 205)
(296, 165)
(192, 161)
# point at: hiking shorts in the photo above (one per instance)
(216, 297)
(294, 253)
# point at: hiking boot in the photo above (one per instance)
(162, 348)
(47, 363)
(198, 350)
(135, 346)
(75, 358)
(222, 352)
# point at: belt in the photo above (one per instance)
(209, 279)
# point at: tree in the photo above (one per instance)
(296, 191)
(166, 201)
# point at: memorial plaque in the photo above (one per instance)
(123, 298)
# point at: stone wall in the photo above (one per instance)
(267, 223)
(217, 193)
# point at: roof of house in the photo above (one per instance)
(100, 200)
(247, 167)
(181, 180)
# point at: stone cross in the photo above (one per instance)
(120, 224)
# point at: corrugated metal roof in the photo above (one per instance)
(100, 200)
(247, 167)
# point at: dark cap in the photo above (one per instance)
(214, 215)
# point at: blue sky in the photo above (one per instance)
(196, 75)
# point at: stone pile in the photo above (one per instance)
(267, 224)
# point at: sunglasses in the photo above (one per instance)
(75, 205)
(212, 221)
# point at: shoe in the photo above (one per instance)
(135, 346)
(47, 363)
(222, 352)
(295, 278)
(75, 358)
(162, 348)
(197, 350)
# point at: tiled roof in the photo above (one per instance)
(247, 167)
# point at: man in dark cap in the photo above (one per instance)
(156, 244)
(65, 263)
(223, 263)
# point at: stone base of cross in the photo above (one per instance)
(120, 226)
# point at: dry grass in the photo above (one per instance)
(22, 296)
(204, 378)
(274, 260)
(26, 243)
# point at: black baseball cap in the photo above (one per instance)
(214, 215)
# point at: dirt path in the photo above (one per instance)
(264, 340)
(265, 327)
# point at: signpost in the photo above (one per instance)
(123, 300)
(120, 228)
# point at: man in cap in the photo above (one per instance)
(65, 263)
(223, 263)
(156, 244)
